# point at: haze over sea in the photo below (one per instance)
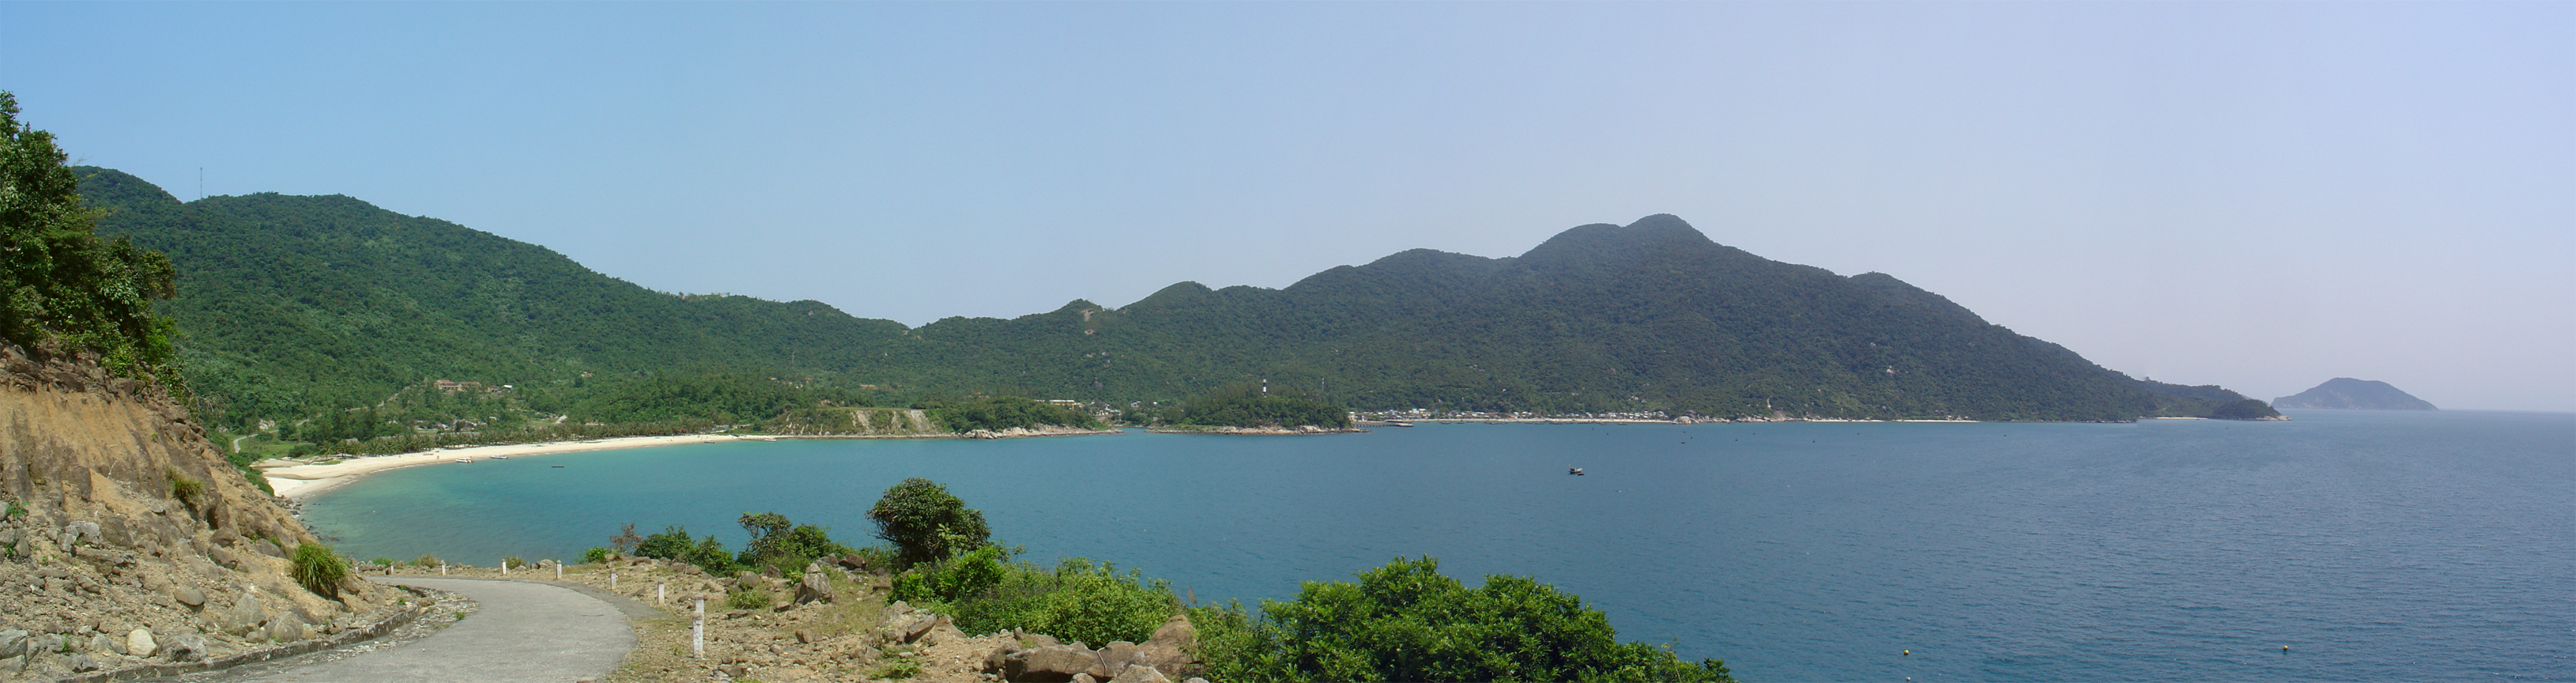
(2377, 545)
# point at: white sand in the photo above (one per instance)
(298, 481)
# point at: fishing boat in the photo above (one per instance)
(1576, 471)
(465, 460)
(1398, 423)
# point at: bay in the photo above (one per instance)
(2377, 545)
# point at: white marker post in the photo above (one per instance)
(698, 631)
(612, 580)
(505, 567)
(442, 569)
(558, 571)
(658, 597)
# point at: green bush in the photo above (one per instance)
(426, 560)
(776, 542)
(184, 488)
(1075, 601)
(382, 561)
(319, 570)
(1407, 622)
(750, 596)
(594, 555)
(925, 523)
(675, 543)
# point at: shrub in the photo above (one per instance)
(897, 669)
(319, 570)
(750, 596)
(184, 488)
(925, 523)
(1075, 601)
(776, 542)
(382, 561)
(594, 555)
(1406, 621)
(427, 561)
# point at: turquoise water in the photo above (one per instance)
(2378, 545)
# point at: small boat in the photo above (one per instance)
(1576, 471)
(773, 438)
(500, 457)
(1398, 423)
(465, 460)
(556, 466)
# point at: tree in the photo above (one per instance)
(925, 523)
(784, 544)
(62, 289)
(1407, 622)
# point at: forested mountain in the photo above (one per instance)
(291, 306)
(2354, 394)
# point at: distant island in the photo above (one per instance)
(2346, 393)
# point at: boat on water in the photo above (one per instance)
(465, 460)
(556, 466)
(1398, 423)
(500, 457)
(1576, 471)
(773, 438)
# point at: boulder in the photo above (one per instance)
(1114, 659)
(269, 548)
(244, 615)
(285, 628)
(1177, 631)
(1139, 673)
(76, 532)
(186, 647)
(103, 643)
(1054, 663)
(814, 587)
(1077, 678)
(190, 596)
(139, 643)
(81, 663)
(13, 642)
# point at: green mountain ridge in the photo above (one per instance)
(2346, 393)
(295, 305)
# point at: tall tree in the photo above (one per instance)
(62, 289)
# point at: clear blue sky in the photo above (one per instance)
(2263, 196)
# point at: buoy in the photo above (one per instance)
(1909, 653)
(2285, 648)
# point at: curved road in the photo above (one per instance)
(532, 632)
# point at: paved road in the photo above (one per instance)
(529, 632)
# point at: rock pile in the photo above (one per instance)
(1040, 658)
(126, 540)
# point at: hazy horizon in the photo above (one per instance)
(2262, 197)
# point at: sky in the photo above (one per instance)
(2258, 195)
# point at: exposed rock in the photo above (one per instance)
(1052, 663)
(269, 548)
(13, 642)
(814, 587)
(186, 647)
(285, 628)
(76, 532)
(1139, 673)
(139, 643)
(244, 616)
(190, 596)
(1083, 678)
(81, 663)
(1114, 659)
(102, 643)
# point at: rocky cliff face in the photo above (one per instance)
(129, 541)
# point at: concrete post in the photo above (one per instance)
(658, 597)
(505, 566)
(612, 580)
(698, 631)
(558, 571)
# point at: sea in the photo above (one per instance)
(2341, 545)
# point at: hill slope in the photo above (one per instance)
(295, 305)
(2356, 394)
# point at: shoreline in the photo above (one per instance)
(300, 481)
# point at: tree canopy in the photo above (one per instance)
(63, 289)
(926, 523)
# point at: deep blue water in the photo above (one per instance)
(2377, 545)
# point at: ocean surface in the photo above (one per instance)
(2377, 545)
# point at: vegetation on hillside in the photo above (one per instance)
(1004, 412)
(63, 289)
(302, 306)
(1244, 404)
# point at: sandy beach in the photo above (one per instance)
(299, 481)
